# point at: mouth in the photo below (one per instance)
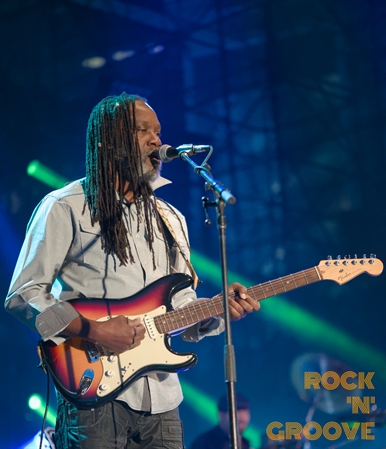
(154, 158)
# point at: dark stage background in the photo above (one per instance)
(291, 94)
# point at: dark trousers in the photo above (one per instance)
(116, 426)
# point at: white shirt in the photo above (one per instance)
(62, 259)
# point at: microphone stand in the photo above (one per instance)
(222, 197)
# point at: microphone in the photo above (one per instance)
(167, 153)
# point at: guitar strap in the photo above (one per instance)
(173, 234)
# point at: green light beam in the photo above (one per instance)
(44, 174)
(36, 403)
(205, 406)
(303, 324)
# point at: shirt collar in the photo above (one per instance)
(159, 182)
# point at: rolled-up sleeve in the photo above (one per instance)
(48, 238)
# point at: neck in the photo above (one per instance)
(127, 190)
(128, 194)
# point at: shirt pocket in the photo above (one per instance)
(91, 250)
(160, 251)
(177, 262)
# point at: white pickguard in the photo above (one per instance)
(152, 351)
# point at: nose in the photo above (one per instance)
(155, 140)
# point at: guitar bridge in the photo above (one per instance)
(93, 351)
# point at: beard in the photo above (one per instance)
(149, 174)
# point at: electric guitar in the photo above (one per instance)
(87, 374)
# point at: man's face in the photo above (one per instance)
(243, 418)
(148, 132)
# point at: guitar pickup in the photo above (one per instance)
(148, 321)
(85, 382)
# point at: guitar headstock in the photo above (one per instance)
(343, 270)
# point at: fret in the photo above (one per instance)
(199, 306)
(252, 290)
(189, 309)
(293, 279)
(270, 283)
(196, 311)
(218, 305)
(208, 305)
(290, 283)
(282, 283)
(172, 321)
(160, 322)
(182, 317)
(317, 272)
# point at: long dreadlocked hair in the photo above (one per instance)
(113, 156)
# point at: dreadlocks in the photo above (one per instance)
(113, 156)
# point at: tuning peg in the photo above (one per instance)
(372, 256)
(329, 257)
(338, 257)
(364, 256)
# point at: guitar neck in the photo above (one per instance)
(201, 310)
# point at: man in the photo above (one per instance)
(218, 437)
(106, 236)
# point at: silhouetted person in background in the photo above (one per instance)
(218, 437)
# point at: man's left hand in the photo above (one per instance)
(240, 303)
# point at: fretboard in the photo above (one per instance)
(201, 310)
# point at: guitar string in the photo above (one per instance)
(214, 305)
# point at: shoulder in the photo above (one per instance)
(210, 439)
(73, 189)
(60, 203)
(245, 443)
(71, 196)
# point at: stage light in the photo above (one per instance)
(121, 55)
(94, 63)
(44, 174)
(156, 49)
(36, 403)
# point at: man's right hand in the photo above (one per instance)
(117, 334)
